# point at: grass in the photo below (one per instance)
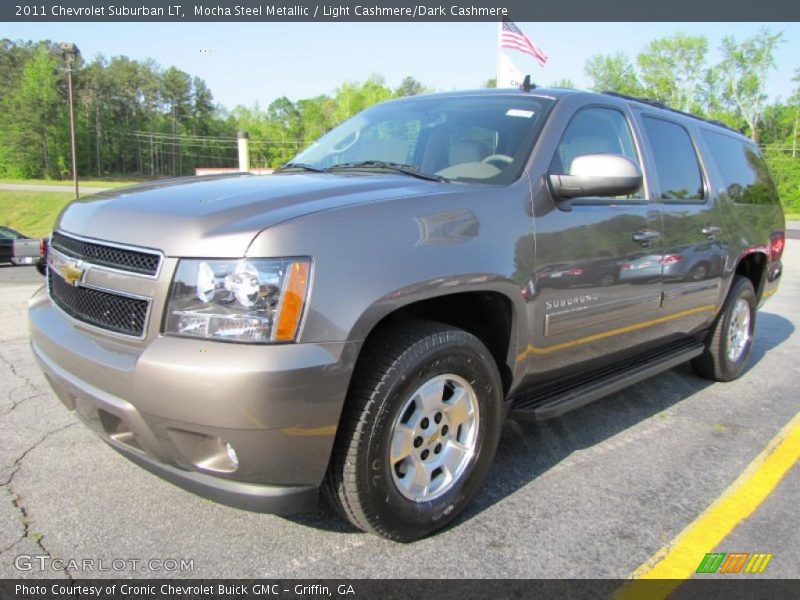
(34, 213)
(31, 213)
(67, 183)
(791, 215)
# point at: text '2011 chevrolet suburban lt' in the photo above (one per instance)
(363, 320)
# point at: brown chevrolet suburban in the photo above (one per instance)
(363, 321)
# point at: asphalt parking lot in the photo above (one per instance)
(592, 494)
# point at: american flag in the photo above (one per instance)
(512, 37)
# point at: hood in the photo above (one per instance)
(220, 216)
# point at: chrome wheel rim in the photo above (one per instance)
(434, 437)
(739, 330)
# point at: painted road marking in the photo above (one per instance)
(678, 560)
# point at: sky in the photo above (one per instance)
(245, 63)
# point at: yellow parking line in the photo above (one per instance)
(679, 559)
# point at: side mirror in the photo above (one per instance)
(604, 175)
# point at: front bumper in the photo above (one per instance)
(177, 407)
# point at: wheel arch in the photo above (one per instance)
(753, 266)
(489, 315)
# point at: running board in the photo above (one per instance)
(556, 399)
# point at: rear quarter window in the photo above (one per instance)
(744, 173)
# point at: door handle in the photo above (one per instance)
(645, 236)
(711, 230)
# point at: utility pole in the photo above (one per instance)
(70, 52)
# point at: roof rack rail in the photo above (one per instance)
(657, 104)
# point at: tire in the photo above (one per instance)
(369, 485)
(698, 272)
(723, 358)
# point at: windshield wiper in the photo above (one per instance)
(389, 166)
(300, 167)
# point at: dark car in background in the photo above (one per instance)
(19, 249)
(691, 263)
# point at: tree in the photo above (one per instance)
(490, 83)
(202, 107)
(745, 67)
(152, 101)
(33, 119)
(613, 73)
(177, 93)
(353, 97)
(410, 86)
(672, 70)
(90, 94)
(564, 83)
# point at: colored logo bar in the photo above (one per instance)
(734, 562)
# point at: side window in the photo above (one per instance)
(677, 169)
(595, 131)
(744, 172)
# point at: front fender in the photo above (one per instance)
(374, 258)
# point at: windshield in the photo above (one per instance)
(464, 138)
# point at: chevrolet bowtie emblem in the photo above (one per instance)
(71, 271)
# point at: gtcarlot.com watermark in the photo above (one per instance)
(43, 562)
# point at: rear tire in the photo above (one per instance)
(730, 340)
(419, 430)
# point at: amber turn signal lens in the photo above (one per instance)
(291, 310)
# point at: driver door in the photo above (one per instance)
(598, 275)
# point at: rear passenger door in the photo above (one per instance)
(694, 256)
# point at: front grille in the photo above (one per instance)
(109, 256)
(102, 309)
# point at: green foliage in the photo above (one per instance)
(746, 66)
(613, 73)
(672, 69)
(131, 117)
(410, 87)
(564, 83)
(32, 140)
(786, 173)
(32, 213)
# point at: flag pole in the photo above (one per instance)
(497, 66)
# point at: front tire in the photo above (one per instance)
(419, 430)
(730, 341)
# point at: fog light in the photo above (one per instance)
(204, 452)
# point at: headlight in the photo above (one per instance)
(247, 300)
